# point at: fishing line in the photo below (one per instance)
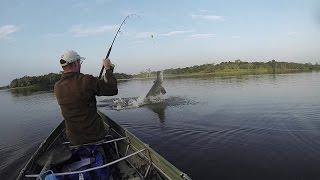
(115, 37)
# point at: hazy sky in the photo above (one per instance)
(33, 34)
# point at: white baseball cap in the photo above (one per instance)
(70, 57)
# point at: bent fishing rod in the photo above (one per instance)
(109, 51)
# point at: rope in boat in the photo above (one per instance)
(90, 169)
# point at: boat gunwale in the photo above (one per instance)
(123, 132)
(49, 141)
(178, 173)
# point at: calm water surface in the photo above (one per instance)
(248, 127)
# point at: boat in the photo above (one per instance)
(128, 157)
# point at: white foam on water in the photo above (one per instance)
(121, 104)
(136, 102)
(154, 99)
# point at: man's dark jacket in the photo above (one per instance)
(76, 93)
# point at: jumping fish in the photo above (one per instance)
(157, 87)
(153, 96)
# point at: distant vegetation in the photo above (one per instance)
(46, 81)
(123, 76)
(42, 81)
(4, 87)
(236, 68)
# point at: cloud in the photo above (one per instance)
(54, 35)
(87, 6)
(99, 2)
(235, 37)
(6, 30)
(208, 17)
(202, 36)
(292, 33)
(81, 6)
(172, 33)
(80, 31)
(205, 11)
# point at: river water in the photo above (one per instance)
(246, 127)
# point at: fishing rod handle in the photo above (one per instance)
(101, 71)
(107, 56)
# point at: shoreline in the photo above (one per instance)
(169, 76)
(224, 74)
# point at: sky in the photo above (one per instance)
(163, 34)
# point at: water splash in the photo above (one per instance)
(137, 102)
(130, 103)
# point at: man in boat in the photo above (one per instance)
(75, 93)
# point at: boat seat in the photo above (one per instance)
(95, 143)
(78, 164)
(104, 139)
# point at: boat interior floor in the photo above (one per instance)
(129, 168)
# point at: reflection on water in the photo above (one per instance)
(25, 122)
(159, 109)
(29, 90)
(245, 127)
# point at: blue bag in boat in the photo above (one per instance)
(47, 175)
(84, 158)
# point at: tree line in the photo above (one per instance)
(236, 67)
(4, 87)
(232, 67)
(43, 80)
(48, 80)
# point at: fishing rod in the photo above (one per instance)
(109, 51)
